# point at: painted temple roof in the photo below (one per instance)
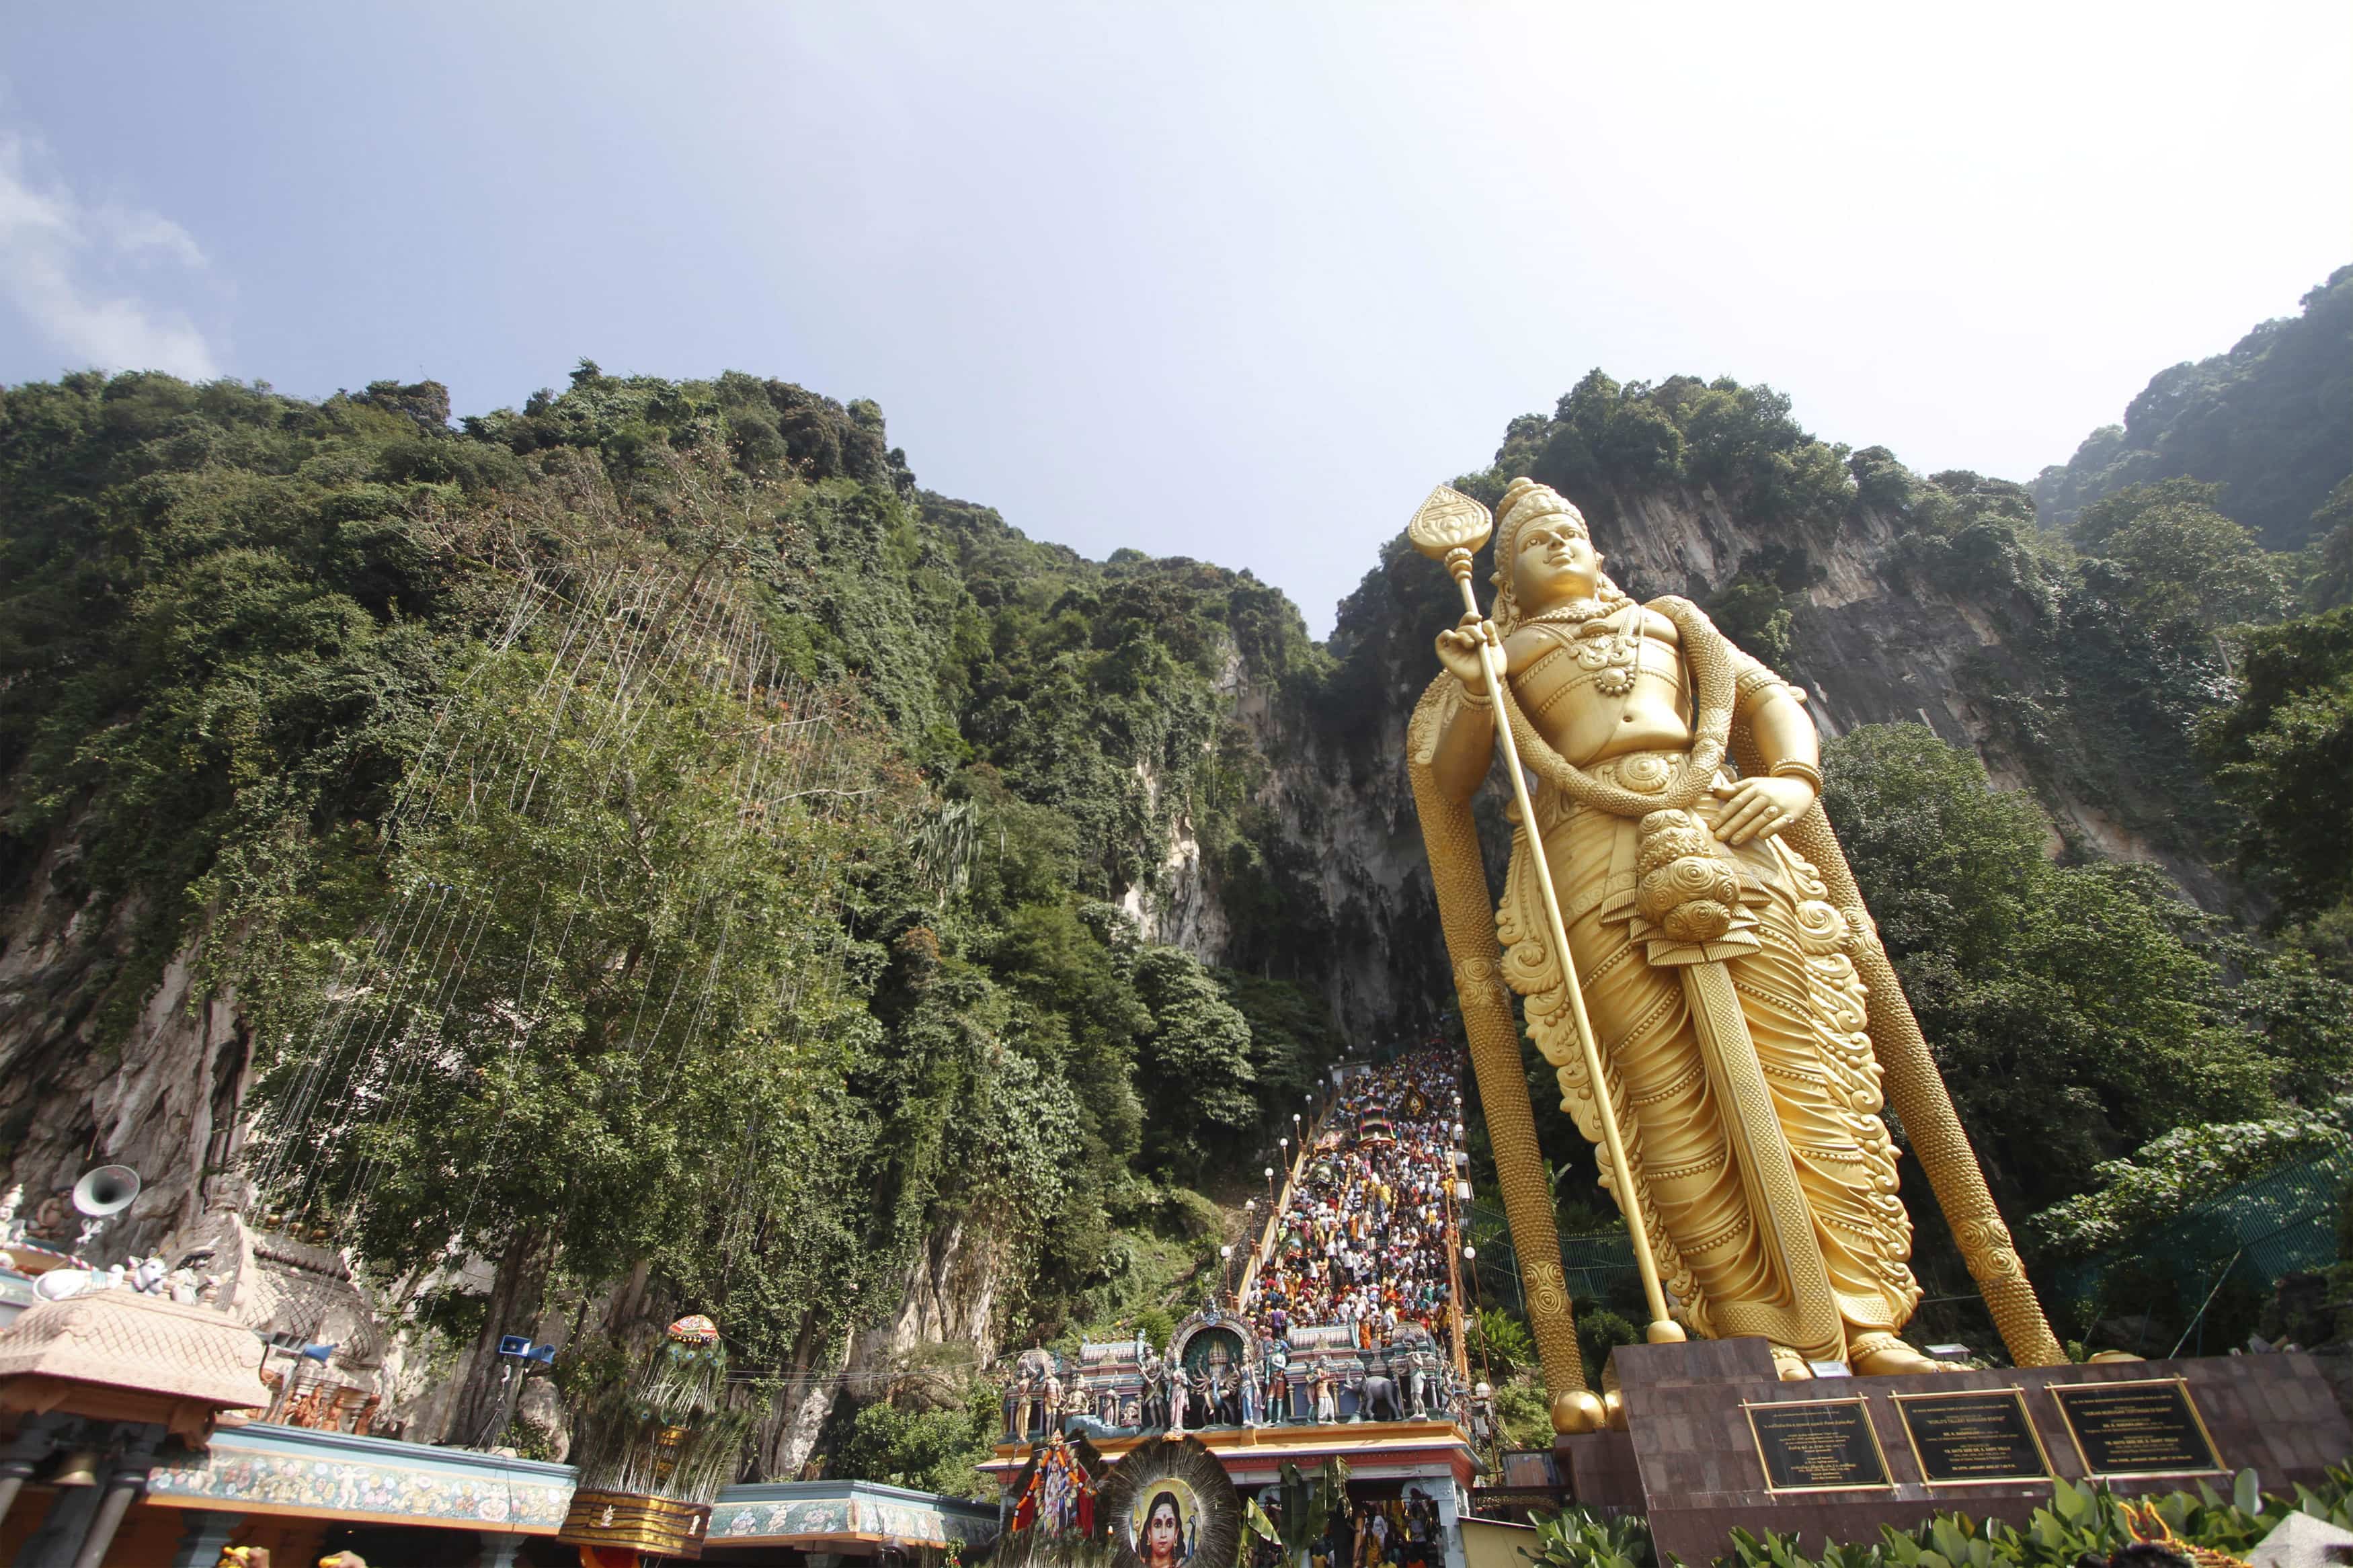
(269, 1469)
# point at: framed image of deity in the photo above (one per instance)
(1170, 1504)
(1163, 1526)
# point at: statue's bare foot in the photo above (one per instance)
(1791, 1366)
(1884, 1355)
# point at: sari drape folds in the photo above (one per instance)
(1741, 1072)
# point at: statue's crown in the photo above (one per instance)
(1526, 500)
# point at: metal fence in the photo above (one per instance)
(2248, 1235)
(1590, 1263)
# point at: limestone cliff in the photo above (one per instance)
(1876, 640)
(161, 1098)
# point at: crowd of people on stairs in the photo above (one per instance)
(1364, 1240)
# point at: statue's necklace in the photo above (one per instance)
(1618, 679)
(1576, 611)
(1712, 705)
(1614, 654)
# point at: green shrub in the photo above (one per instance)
(1501, 1343)
(1576, 1539)
(2082, 1518)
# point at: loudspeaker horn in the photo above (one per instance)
(109, 1190)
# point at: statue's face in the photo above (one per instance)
(1552, 563)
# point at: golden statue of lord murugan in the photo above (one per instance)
(1743, 1013)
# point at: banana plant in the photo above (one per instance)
(1303, 1506)
(1575, 1539)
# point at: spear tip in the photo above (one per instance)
(1449, 521)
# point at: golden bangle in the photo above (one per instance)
(1476, 698)
(1793, 769)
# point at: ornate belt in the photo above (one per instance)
(1642, 772)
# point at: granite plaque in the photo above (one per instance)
(2139, 1428)
(1973, 1438)
(1818, 1445)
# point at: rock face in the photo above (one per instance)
(1874, 643)
(1350, 810)
(1180, 909)
(949, 1299)
(162, 1102)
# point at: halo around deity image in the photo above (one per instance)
(1171, 1505)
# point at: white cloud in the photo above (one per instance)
(62, 264)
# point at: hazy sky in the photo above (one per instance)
(1238, 283)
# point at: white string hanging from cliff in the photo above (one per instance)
(599, 667)
(395, 1017)
(377, 1033)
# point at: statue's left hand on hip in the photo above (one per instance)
(1760, 807)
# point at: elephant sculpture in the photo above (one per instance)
(1376, 1397)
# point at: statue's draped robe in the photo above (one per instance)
(1740, 1068)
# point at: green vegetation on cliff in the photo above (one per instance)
(237, 624)
(2271, 423)
(2283, 753)
(2078, 1010)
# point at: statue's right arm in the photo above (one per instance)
(1466, 738)
(1466, 748)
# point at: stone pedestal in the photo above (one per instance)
(1597, 1471)
(1700, 1468)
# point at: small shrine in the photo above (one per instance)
(1055, 1493)
(654, 1452)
